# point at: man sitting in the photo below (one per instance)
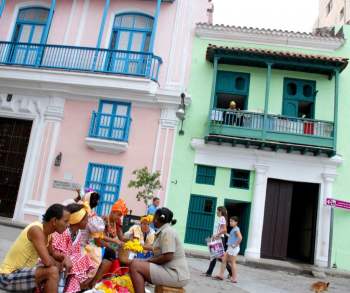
(20, 270)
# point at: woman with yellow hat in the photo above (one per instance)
(69, 244)
(143, 233)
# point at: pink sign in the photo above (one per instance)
(335, 203)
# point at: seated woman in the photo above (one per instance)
(94, 242)
(69, 244)
(145, 234)
(113, 223)
(168, 267)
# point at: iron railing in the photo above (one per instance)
(108, 126)
(86, 59)
(273, 123)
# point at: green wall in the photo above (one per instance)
(196, 123)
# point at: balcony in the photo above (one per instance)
(275, 131)
(81, 59)
(108, 133)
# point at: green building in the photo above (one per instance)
(275, 157)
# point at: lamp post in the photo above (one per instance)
(181, 113)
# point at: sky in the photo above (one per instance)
(295, 15)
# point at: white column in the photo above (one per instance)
(323, 223)
(257, 212)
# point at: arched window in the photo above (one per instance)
(30, 25)
(132, 32)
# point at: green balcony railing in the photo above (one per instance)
(278, 128)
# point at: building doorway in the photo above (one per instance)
(242, 211)
(14, 139)
(290, 219)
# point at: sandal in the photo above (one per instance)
(205, 275)
(218, 278)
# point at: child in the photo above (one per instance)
(232, 251)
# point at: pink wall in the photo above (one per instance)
(83, 29)
(76, 155)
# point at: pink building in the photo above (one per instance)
(88, 93)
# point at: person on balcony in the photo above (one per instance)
(232, 116)
(20, 271)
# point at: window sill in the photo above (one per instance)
(106, 146)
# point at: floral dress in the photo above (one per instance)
(70, 245)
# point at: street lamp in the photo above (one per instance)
(181, 113)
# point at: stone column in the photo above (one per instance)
(323, 223)
(257, 212)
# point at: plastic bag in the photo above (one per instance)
(216, 248)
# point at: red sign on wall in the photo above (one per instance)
(335, 203)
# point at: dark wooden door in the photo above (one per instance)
(14, 138)
(278, 204)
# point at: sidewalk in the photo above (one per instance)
(277, 265)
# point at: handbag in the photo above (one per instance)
(216, 248)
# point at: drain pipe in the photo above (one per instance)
(330, 244)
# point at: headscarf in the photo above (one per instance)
(78, 216)
(120, 206)
(147, 219)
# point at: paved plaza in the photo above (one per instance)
(250, 279)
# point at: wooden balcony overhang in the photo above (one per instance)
(284, 60)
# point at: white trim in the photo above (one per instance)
(169, 173)
(78, 85)
(50, 160)
(163, 157)
(83, 18)
(286, 40)
(156, 149)
(106, 146)
(168, 117)
(15, 14)
(70, 20)
(35, 109)
(290, 167)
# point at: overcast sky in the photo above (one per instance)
(296, 15)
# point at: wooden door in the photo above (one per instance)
(278, 204)
(14, 138)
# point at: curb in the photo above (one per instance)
(13, 224)
(273, 265)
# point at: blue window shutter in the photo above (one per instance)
(106, 180)
(200, 219)
(112, 121)
(206, 175)
(240, 179)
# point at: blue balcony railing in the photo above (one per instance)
(276, 127)
(84, 59)
(110, 127)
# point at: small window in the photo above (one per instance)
(292, 89)
(307, 91)
(341, 14)
(240, 83)
(205, 175)
(208, 206)
(240, 178)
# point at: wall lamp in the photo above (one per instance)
(181, 113)
(58, 160)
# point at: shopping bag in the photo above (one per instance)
(216, 248)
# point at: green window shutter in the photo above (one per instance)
(240, 179)
(200, 219)
(205, 175)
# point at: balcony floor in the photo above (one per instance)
(269, 145)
